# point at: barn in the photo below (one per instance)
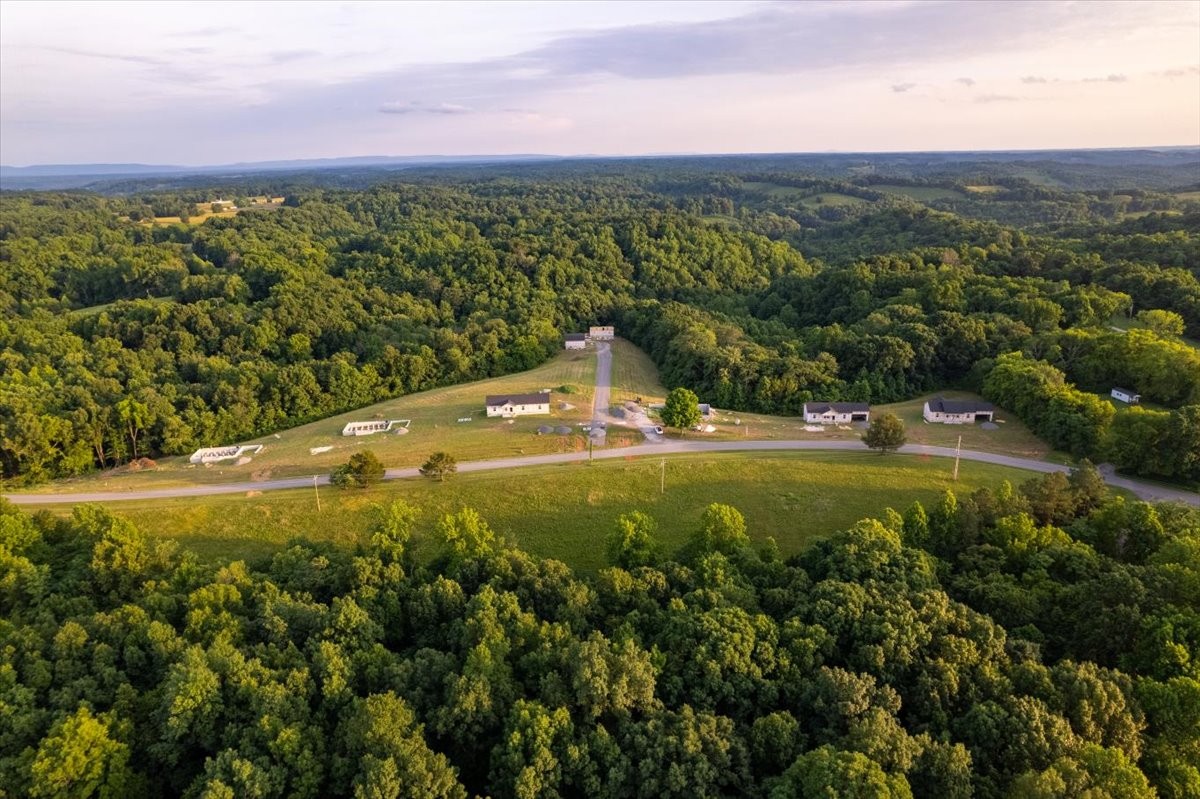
(575, 341)
(601, 332)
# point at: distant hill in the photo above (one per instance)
(67, 176)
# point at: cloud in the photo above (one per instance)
(968, 82)
(1179, 72)
(900, 88)
(284, 56)
(1108, 79)
(215, 30)
(997, 98)
(1034, 79)
(417, 107)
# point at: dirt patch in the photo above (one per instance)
(242, 461)
(254, 493)
(141, 464)
(566, 406)
(401, 431)
(261, 474)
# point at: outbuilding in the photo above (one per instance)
(575, 341)
(601, 332)
(943, 411)
(836, 412)
(508, 405)
(1126, 396)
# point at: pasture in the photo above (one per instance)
(566, 511)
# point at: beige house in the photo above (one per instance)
(575, 341)
(509, 405)
(943, 411)
(601, 332)
(836, 412)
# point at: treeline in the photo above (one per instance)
(998, 644)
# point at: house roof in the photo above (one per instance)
(942, 405)
(519, 399)
(1126, 391)
(836, 407)
(576, 337)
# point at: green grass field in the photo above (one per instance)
(434, 427)
(566, 511)
(919, 193)
(1010, 438)
(803, 196)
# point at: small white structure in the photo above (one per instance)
(601, 332)
(214, 454)
(509, 405)
(944, 411)
(836, 412)
(1126, 396)
(371, 428)
(575, 341)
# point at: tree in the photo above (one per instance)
(439, 465)
(363, 469)
(81, 758)
(632, 543)
(682, 409)
(1164, 323)
(885, 433)
(829, 772)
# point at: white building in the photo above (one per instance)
(836, 412)
(508, 405)
(601, 332)
(944, 411)
(214, 454)
(575, 341)
(371, 428)
(1126, 396)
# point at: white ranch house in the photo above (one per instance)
(508, 405)
(836, 412)
(1126, 396)
(575, 341)
(601, 332)
(943, 411)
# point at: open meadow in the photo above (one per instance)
(566, 511)
(434, 425)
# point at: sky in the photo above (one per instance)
(215, 82)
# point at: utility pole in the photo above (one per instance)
(591, 441)
(662, 480)
(318, 493)
(957, 453)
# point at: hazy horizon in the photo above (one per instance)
(97, 83)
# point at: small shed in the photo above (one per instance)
(575, 341)
(1126, 396)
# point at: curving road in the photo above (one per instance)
(1142, 490)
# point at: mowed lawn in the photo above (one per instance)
(434, 427)
(565, 512)
(1011, 437)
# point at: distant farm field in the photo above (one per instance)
(919, 193)
(566, 511)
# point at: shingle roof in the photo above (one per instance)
(539, 398)
(942, 405)
(576, 337)
(836, 407)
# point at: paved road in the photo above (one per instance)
(600, 399)
(1140, 489)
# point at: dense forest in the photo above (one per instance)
(120, 337)
(1031, 642)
